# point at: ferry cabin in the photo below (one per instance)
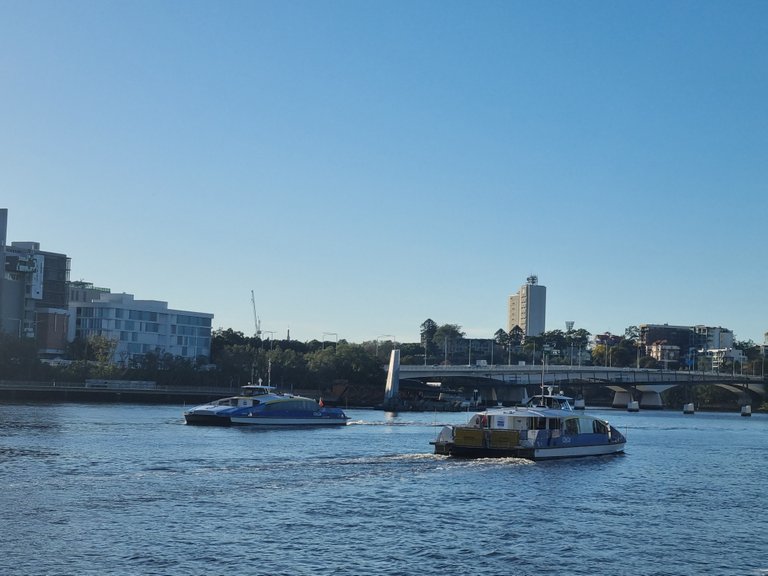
(572, 424)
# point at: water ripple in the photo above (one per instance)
(118, 490)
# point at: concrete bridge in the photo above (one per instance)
(509, 383)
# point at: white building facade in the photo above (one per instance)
(714, 338)
(142, 326)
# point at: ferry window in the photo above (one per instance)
(572, 426)
(554, 424)
(540, 423)
(599, 427)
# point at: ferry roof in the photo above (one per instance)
(258, 387)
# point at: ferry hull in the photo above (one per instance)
(280, 421)
(197, 419)
(206, 420)
(527, 453)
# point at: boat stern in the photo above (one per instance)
(444, 441)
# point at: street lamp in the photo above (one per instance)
(271, 337)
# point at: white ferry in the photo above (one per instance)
(546, 428)
(259, 405)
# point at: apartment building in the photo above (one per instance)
(692, 342)
(38, 301)
(33, 293)
(528, 307)
(140, 326)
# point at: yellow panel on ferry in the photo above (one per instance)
(468, 437)
(504, 438)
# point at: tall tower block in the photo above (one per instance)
(528, 307)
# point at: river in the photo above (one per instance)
(130, 489)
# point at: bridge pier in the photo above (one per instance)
(392, 389)
(649, 400)
(621, 399)
(508, 395)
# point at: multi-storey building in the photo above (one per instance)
(681, 336)
(693, 342)
(711, 338)
(140, 326)
(37, 301)
(664, 353)
(528, 307)
(33, 293)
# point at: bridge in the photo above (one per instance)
(509, 383)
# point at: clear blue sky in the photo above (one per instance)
(363, 166)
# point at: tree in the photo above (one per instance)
(18, 357)
(632, 333)
(446, 335)
(449, 331)
(516, 335)
(532, 347)
(428, 330)
(600, 355)
(288, 368)
(623, 354)
(556, 339)
(579, 337)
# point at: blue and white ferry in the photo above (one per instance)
(545, 428)
(259, 405)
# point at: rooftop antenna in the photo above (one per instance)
(256, 321)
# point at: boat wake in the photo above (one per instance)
(394, 424)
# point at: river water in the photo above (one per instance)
(130, 489)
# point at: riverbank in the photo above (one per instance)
(141, 393)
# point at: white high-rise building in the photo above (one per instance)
(528, 308)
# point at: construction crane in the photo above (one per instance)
(256, 321)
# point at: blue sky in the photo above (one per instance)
(363, 166)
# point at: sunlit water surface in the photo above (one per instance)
(128, 489)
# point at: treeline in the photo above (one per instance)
(352, 372)
(334, 368)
